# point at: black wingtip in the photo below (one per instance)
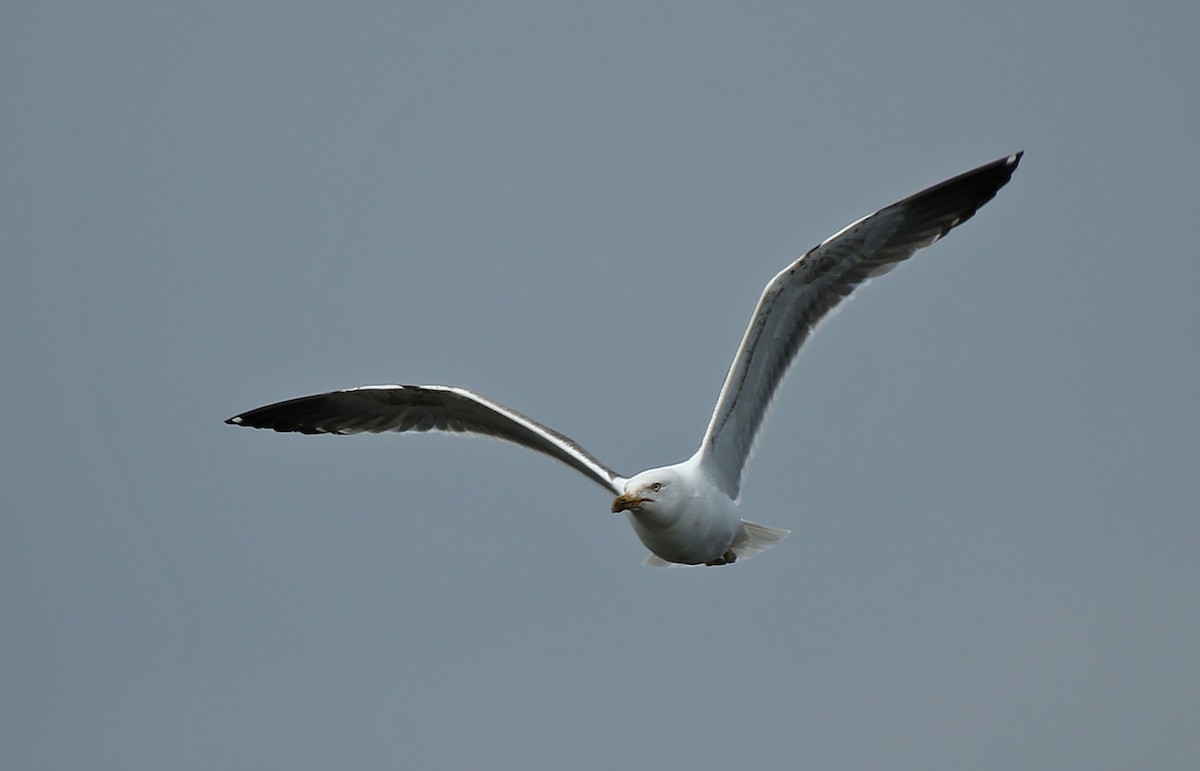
(966, 193)
(1005, 166)
(304, 415)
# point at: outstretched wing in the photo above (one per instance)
(402, 408)
(804, 292)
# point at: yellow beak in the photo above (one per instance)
(626, 501)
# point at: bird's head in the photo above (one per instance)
(654, 494)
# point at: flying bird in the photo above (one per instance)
(685, 513)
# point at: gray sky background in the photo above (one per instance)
(988, 458)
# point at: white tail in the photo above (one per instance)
(755, 539)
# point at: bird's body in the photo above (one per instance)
(685, 513)
(691, 520)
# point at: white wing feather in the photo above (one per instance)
(402, 408)
(804, 292)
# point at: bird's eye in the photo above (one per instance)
(656, 486)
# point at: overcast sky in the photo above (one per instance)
(988, 459)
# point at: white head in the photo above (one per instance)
(656, 495)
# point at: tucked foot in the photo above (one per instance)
(728, 558)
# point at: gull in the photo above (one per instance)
(685, 513)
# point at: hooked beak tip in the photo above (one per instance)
(622, 503)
